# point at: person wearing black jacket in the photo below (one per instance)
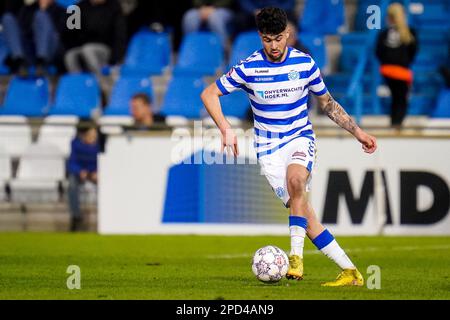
(101, 39)
(33, 34)
(396, 49)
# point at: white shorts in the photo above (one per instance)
(274, 166)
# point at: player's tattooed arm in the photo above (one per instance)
(335, 112)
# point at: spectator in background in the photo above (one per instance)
(248, 9)
(101, 39)
(293, 40)
(158, 16)
(82, 167)
(141, 111)
(33, 34)
(216, 15)
(396, 49)
(12, 34)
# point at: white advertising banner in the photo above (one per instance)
(402, 189)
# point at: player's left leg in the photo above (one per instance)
(325, 242)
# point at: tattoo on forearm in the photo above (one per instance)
(336, 113)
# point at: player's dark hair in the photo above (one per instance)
(271, 20)
(143, 97)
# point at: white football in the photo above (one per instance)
(270, 264)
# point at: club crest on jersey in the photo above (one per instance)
(293, 75)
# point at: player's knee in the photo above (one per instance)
(297, 185)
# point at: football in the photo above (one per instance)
(270, 264)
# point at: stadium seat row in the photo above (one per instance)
(40, 176)
(79, 95)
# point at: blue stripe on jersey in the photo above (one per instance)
(279, 107)
(304, 134)
(313, 69)
(272, 78)
(237, 85)
(221, 87)
(321, 92)
(240, 73)
(283, 121)
(280, 135)
(233, 82)
(315, 81)
(263, 63)
(261, 144)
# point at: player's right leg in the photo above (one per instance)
(296, 180)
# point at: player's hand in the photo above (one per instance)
(229, 141)
(369, 143)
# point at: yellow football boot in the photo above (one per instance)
(295, 271)
(348, 277)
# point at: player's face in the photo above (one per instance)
(275, 45)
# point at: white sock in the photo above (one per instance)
(335, 253)
(297, 240)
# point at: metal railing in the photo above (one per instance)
(355, 91)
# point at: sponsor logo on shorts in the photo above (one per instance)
(279, 192)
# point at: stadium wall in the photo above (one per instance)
(156, 184)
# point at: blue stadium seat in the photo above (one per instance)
(235, 104)
(122, 92)
(322, 17)
(433, 15)
(148, 54)
(442, 109)
(27, 97)
(429, 58)
(337, 83)
(77, 94)
(183, 97)
(315, 43)
(352, 47)
(420, 104)
(427, 83)
(426, 38)
(245, 44)
(4, 52)
(201, 54)
(66, 3)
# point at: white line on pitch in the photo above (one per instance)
(350, 250)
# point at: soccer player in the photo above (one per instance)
(278, 79)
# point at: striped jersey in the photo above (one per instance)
(278, 94)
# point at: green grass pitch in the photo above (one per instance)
(33, 266)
